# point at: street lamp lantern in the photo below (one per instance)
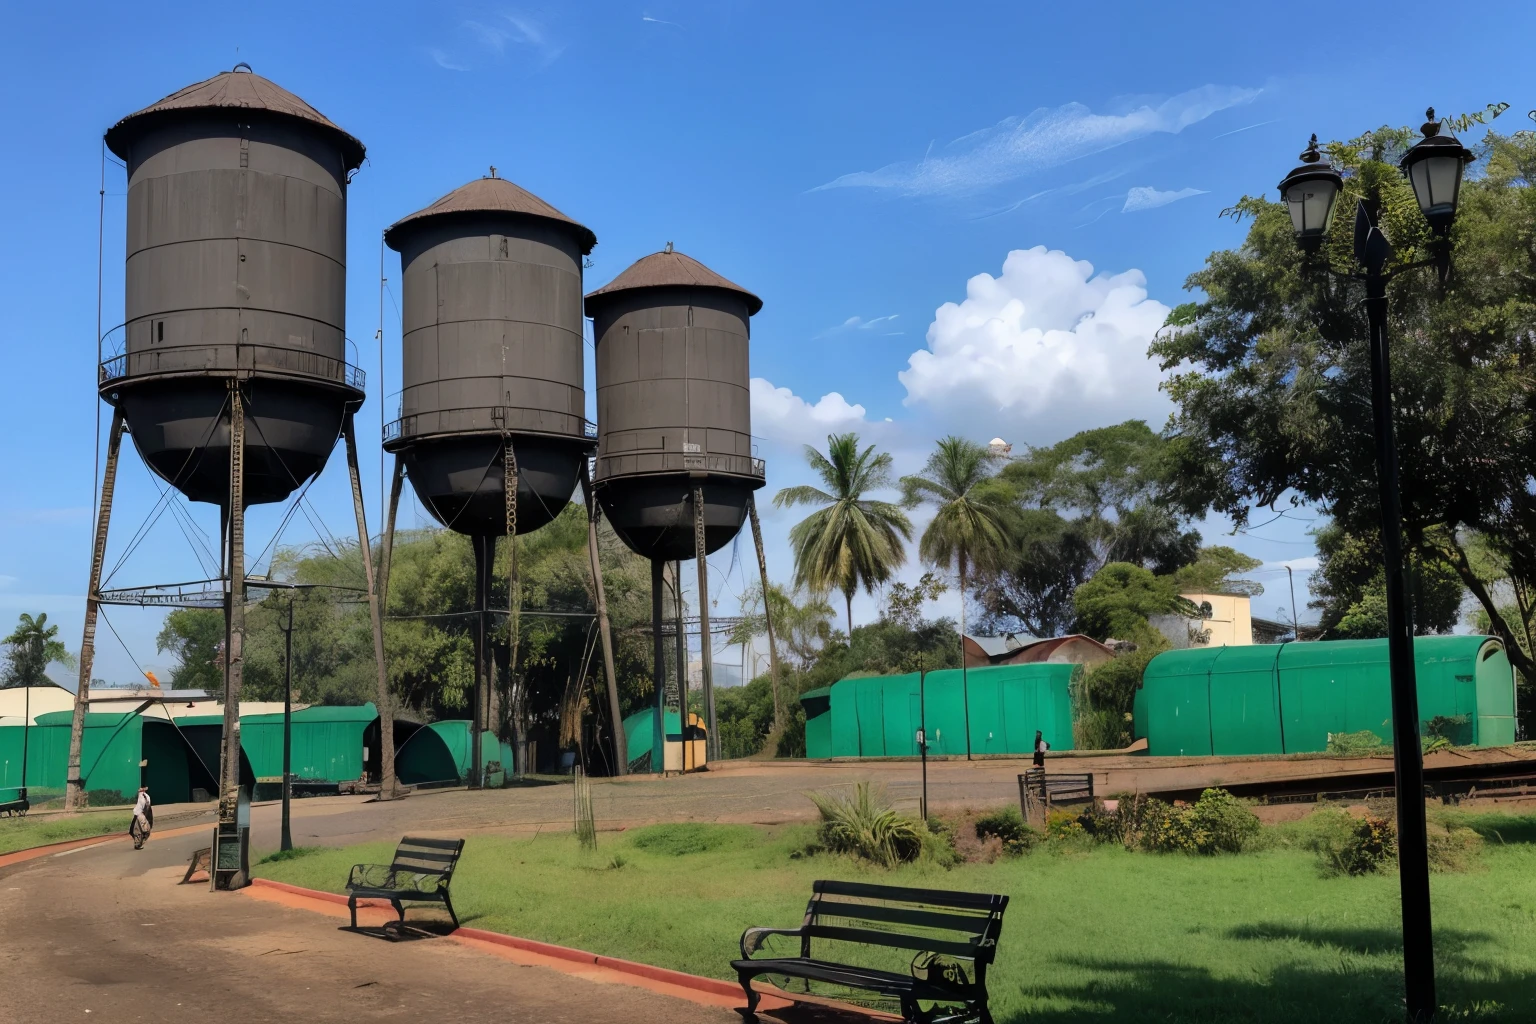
(1310, 192)
(1434, 167)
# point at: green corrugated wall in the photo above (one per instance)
(878, 716)
(1288, 698)
(110, 751)
(327, 742)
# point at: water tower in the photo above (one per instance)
(675, 464)
(232, 378)
(492, 388)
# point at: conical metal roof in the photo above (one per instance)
(671, 269)
(490, 195)
(239, 89)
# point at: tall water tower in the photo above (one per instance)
(492, 386)
(232, 379)
(675, 464)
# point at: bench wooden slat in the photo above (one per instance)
(898, 894)
(432, 844)
(976, 925)
(895, 940)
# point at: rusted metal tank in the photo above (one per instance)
(493, 353)
(236, 269)
(674, 407)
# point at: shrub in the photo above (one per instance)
(1225, 823)
(1216, 823)
(1009, 828)
(1102, 729)
(1350, 846)
(1362, 742)
(1064, 825)
(865, 825)
(1452, 849)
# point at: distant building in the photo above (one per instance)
(1023, 649)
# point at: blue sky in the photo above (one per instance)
(857, 165)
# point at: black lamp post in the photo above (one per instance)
(287, 838)
(1434, 167)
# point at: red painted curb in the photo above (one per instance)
(316, 894)
(713, 986)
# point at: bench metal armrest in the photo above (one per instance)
(752, 938)
(371, 876)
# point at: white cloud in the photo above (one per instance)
(659, 21)
(1043, 350)
(443, 60)
(1139, 199)
(1047, 137)
(493, 38)
(858, 323)
(780, 415)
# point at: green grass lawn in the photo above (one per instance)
(28, 830)
(1095, 934)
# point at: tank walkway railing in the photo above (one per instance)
(222, 360)
(634, 463)
(490, 420)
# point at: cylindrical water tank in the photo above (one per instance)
(492, 346)
(674, 407)
(237, 253)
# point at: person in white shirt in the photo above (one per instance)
(143, 819)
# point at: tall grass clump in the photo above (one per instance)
(865, 825)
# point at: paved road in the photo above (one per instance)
(104, 934)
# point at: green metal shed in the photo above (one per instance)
(327, 742)
(439, 754)
(1002, 705)
(111, 749)
(818, 721)
(1288, 698)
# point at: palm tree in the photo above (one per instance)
(34, 645)
(850, 541)
(969, 526)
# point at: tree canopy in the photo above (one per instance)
(1272, 381)
(30, 648)
(850, 541)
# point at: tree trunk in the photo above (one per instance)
(1518, 657)
(848, 603)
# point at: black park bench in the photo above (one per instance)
(420, 873)
(952, 934)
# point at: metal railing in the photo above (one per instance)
(220, 359)
(490, 420)
(631, 463)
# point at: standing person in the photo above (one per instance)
(1040, 748)
(143, 819)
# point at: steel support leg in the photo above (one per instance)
(387, 785)
(485, 553)
(706, 656)
(659, 671)
(74, 792)
(234, 610)
(675, 571)
(620, 747)
(773, 648)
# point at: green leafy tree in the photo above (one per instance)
(1104, 495)
(1212, 570)
(1121, 599)
(850, 541)
(970, 521)
(195, 638)
(1272, 371)
(30, 648)
(1350, 592)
